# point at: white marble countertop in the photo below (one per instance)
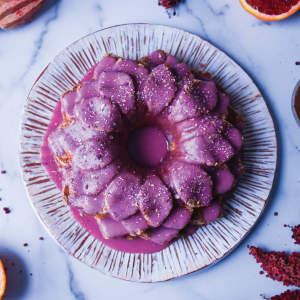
(267, 51)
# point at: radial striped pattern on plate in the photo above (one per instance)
(209, 244)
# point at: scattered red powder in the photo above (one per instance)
(296, 234)
(275, 213)
(297, 63)
(261, 272)
(30, 274)
(25, 245)
(41, 238)
(169, 4)
(3, 172)
(279, 266)
(288, 295)
(6, 210)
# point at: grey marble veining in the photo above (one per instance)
(267, 51)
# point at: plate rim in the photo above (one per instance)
(36, 210)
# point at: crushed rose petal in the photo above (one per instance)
(169, 4)
(296, 234)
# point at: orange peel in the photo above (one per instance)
(2, 280)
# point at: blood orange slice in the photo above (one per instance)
(271, 10)
(2, 280)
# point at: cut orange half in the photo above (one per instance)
(271, 10)
(2, 280)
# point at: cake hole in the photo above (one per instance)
(147, 146)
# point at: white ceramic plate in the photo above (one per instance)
(210, 243)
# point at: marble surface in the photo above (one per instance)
(267, 51)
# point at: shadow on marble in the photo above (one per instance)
(17, 281)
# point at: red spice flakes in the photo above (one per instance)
(25, 245)
(261, 272)
(297, 63)
(41, 238)
(169, 4)
(288, 295)
(296, 233)
(279, 266)
(3, 172)
(6, 210)
(276, 213)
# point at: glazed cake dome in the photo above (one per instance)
(147, 147)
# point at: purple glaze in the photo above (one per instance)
(93, 154)
(181, 71)
(212, 212)
(207, 149)
(137, 245)
(47, 156)
(221, 108)
(162, 235)
(178, 218)
(137, 71)
(171, 61)
(223, 180)
(87, 90)
(154, 59)
(88, 75)
(159, 89)
(110, 228)
(195, 127)
(105, 64)
(234, 136)
(121, 199)
(91, 157)
(91, 205)
(119, 88)
(192, 184)
(155, 201)
(82, 182)
(67, 103)
(99, 113)
(196, 98)
(147, 146)
(135, 224)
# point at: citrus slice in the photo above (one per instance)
(2, 280)
(271, 10)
